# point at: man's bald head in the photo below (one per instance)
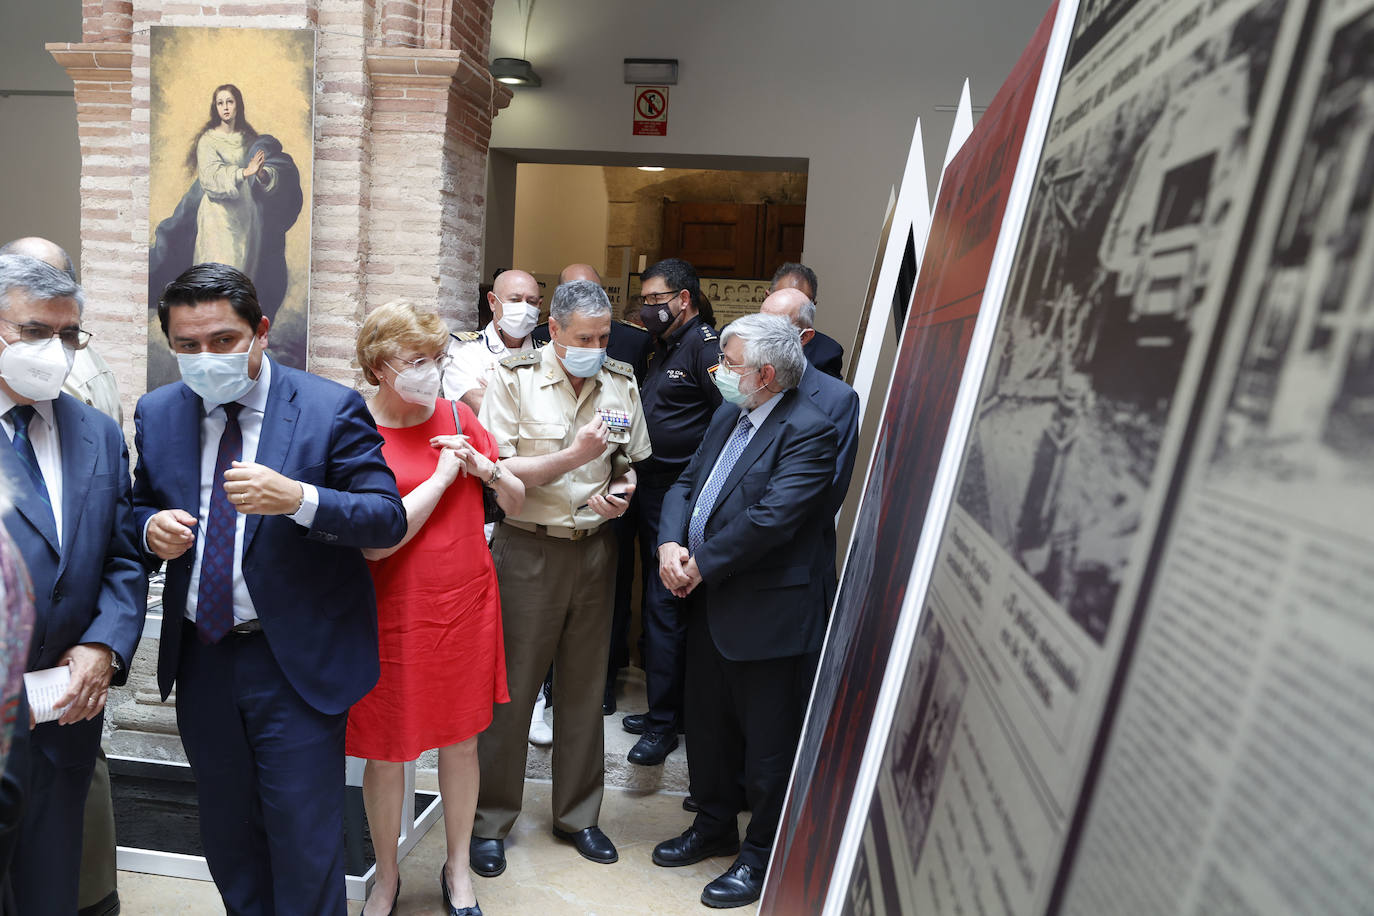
(48, 252)
(579, 272)
(792, 304)
(515, 284)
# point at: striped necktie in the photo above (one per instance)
(21, 415)
(706, 501)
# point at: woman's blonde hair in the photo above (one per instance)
(396, 326)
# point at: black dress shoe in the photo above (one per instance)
(635, 723)
(740, 885)
(690, 804)
(487, 857)
(106, 906)
(692, 847)
(652, 748)
(591, 844)
(608, 701)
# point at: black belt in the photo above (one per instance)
(247, 628)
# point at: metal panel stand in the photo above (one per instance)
(178, 865)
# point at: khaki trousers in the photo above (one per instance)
(98, 840)
(556, 603)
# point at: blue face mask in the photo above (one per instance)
(583, 362)
(217, 377)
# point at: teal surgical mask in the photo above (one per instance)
(728, 384)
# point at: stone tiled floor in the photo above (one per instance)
(545, 877)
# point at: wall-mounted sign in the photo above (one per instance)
(651, 111)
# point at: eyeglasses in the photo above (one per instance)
(724, 363)
(34, 332)
(644, 300)
(441, 361)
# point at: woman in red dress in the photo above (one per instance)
(438, 611)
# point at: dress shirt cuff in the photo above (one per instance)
(146, 549)
(310, 504)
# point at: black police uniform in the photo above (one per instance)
(630, 344)
(679, 396)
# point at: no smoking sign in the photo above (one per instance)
(651, 111)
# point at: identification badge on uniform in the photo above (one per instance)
(617, 425)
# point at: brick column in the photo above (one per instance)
(113, 263)
(403, 109)
(429, 145)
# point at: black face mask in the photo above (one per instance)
(658, 318)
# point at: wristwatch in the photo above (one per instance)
(115, 664)
(495, 474)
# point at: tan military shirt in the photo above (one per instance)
(530, 409)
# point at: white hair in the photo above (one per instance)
(769, 340)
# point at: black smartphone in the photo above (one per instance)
(620, 495)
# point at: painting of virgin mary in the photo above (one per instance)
(241, 193)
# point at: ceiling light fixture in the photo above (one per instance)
(651, 71)
(513, 71)
(649, 168)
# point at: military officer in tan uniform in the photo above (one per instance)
(567, 422)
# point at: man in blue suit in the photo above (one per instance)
(832, 397)
(822, 351)
(260, 485)
(67, 470)
(743, 539)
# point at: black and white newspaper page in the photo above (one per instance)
(1236, 778)
(1155, 147)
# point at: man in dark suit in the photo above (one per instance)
(68, 470)
(822, 351)
(92, 382)
(743, 539)
(260, 485)
(832, 397)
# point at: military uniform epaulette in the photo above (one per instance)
(466, 336)
(523, 358)
(619, 368)
(706, 333)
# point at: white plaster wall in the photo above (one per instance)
(837, 83)
(40, 181)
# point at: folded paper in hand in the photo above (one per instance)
(45, 688)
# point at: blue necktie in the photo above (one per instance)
(21, 415)
(215, 598)
(706, 501)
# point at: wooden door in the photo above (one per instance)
(718, 239)
(784, 228)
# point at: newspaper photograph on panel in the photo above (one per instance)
(1145, 186)
(930, 364)
(1257, 643)
(231, 141)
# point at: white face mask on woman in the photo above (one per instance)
(418, 384)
